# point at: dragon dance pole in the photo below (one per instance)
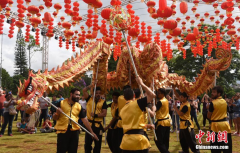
(135, 70)
(151, 122)
(130, 54)
(68, 117)
(215, 83)
(154, 102)
(175, 116)
(104, 122)
(129, 75)
(95, 85)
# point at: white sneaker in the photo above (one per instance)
(177, 131)
(172, 131)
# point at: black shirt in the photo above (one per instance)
(105, 106)
(82, 113)
(142, 103)
(184, 109)
(159, 105)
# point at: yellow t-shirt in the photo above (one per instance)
(218, 107)
(131, 115)
(163, 112)
(186, 116)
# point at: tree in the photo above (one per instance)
(20, 56)
(191, 66)
(6, 80)
(15, 83)
(32, 45)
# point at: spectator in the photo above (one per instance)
(2, 99)
(52, 109)
(47, 127)
(83, 103)
(8, 119)
(230, 111)
(175, 116)
(194, 107)
(205, 101)
(199, 104)
(44, 107)
(60, 97)
(22, 126)
(236, 115)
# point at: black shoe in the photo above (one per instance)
(0, 125)
(15, 120)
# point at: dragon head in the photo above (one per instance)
(30, 91)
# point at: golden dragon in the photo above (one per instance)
(149, 64)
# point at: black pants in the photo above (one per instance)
(119, 138)
(163, 134)
(187, 140)
(68, 142)
(112, 140)
(216, 143)
(89, 140)
(205, 118)
(194, 116)
(8, 120)
(44, 114)
(136, 151)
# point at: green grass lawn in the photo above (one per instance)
(46, 142)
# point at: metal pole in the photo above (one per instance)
(154, 102)
(130, 54)
(175, 116)
(1, 63)
(68, 117)
(129, 75)
(94, 92)
(155, 136)
(215, 83)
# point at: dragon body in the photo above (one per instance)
(149, 64)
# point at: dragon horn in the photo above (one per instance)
(38, 72)
(46, 71)
(20, 83)
(72, 59)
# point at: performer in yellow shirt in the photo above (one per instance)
(163, 122)
(134, 140)
(217, 114)
(95, 118)
(186, 134)
(121, 104)
(67, 131)
(112, 128)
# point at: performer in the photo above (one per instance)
(95, 118)
(67, 131)
(187, 134)
(121, 104)
(163, 122)
(217, 114)
(134, 139)
(112, 132)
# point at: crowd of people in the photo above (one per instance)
(127, 130)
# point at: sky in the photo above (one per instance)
(58, 55)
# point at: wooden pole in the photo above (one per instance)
(95, 85)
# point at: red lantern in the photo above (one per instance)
(58, 7)
(167, 12)
(183, 7)
(48, 4)
(28, 1)
(106, 13)
(33, 9)
(47, 17)
(162, 5)
(35, 21)
(175, 32)
(209, 1)
(196, 31)
(191, 37)
(151, 3)
(170, 24)
(41, 7)
(19, 24)
(3, 4)
(66, 25)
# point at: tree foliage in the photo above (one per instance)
(191, 66)
(20, 56)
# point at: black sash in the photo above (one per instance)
(160, 120)
(221, 120)
(135, 131)
(187, 123)
(97, 122)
